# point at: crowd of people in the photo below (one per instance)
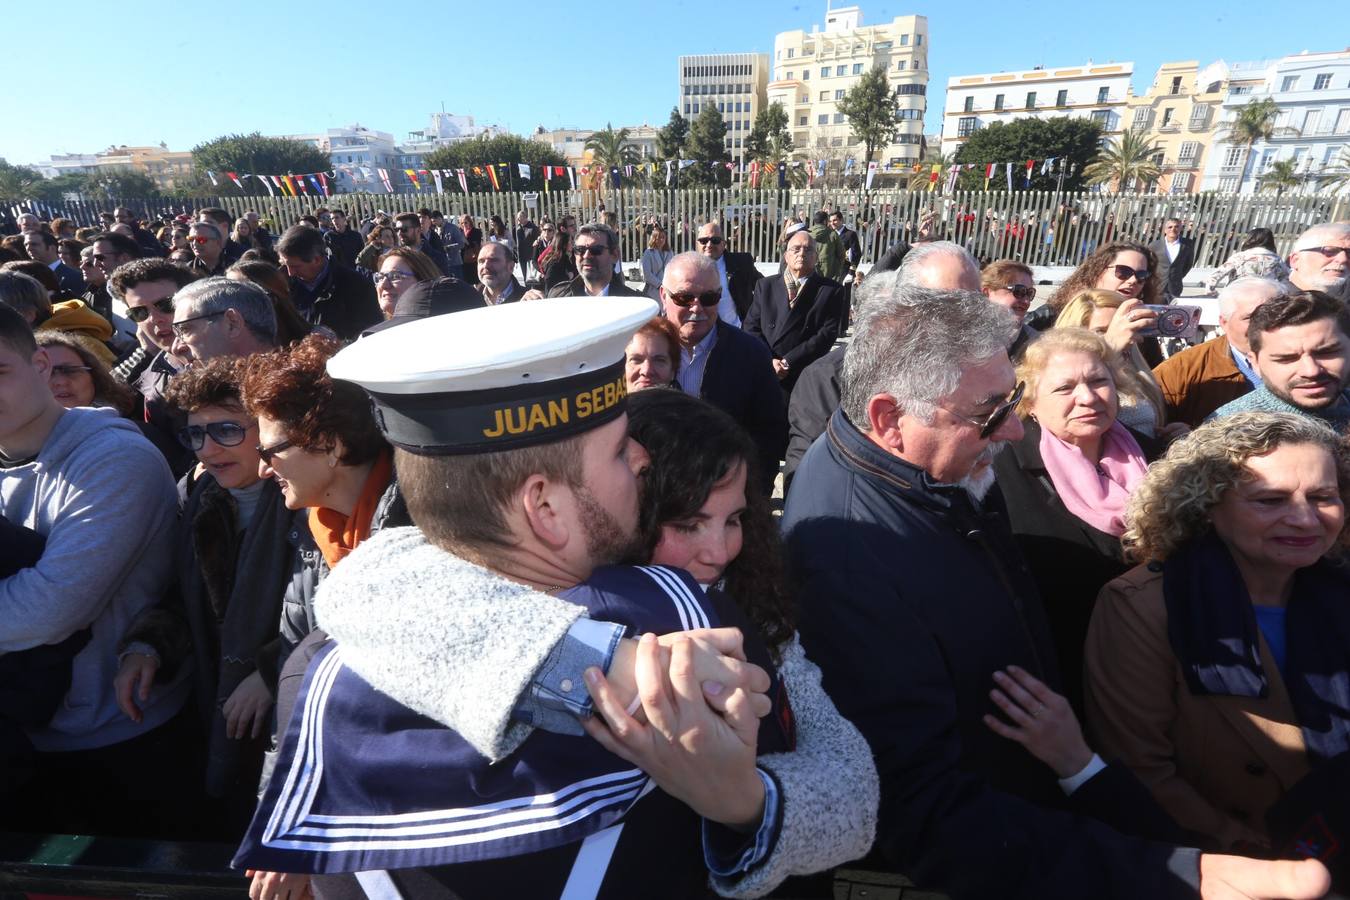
(396, 554)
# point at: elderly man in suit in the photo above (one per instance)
(46, 249)
(722, 364)
(736, 270)
(797, 316)
(1176, 256)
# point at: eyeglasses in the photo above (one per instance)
(200, 238)
(590, 249)
(1125, 273)
(139, 314)
(100, 257)
(268, 452)
(178, 329)
(705, 241)
(684, 301)
(226, 434)
(402, 228)
(1021, 291)
(64, 371)
(396, 275)
(1328, 252)
(989, 425)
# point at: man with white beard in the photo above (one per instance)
(1320, 260)
(918, 608)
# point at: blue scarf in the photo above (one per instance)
(1212, 629)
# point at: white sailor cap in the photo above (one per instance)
(499, 377)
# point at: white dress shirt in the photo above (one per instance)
(726, 307)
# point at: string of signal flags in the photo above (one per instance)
(592, 177)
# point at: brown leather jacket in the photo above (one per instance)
(1199, 380)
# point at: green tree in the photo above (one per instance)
(1255, 121)
(119, 184)
(254, 154)
(19, 182)
(671, 137)
(511, 149)
(707, 145)
(1126, 161)
(870, 110)
(769, 136)
(55, 189)
(610, 149)
(1071, 141)
(1281, 176)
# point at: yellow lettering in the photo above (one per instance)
(498, 430)
(516, 425)
(557, 411)
(610, 395)
(538, 417)
(583, 405)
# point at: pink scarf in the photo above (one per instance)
(1097, 494)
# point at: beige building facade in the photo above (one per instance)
(168, 169)
(813, 70)
(1179, 113)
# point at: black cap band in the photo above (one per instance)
(525, 415)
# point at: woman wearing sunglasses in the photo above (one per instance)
(317, 440)
(1011, 285)
(1066, 482)
(233, 563)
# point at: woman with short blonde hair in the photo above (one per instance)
(1142, 402)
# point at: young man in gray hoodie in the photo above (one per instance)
(88, 482)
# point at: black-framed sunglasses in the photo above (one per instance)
(226, 434)
(996, 418)
(705, 241)
(268, 452)
(1021, 291)
(590, 249)
(684, 301)
(1125, 273)
(178, 326)
(139, 314)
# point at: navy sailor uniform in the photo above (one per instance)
(377, 800)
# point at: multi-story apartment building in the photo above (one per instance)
(812, 71)
(166, 168)
(1098, 92)
(734, 83)
(570, 143)
(1312, 92)
(1179, 114)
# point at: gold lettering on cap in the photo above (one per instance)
(522, 420)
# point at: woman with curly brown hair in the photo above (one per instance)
(1219, 669)
(318, 439)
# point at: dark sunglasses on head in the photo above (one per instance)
(268, 452)
(591, 249)
(684, 301)
(1021, 291)
(139, 314)
(1125, 273)
(705, 241)
(226, 434)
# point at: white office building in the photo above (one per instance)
(1312, 91)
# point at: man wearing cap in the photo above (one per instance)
(513, 460)
(596, 252)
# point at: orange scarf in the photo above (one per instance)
(336, 534)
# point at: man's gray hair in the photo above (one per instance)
(702, 265)
(913, 343)
(218, 294)
(880, 284)
(208, 226)
(1246, 287)
(595, 229)
(1314, 236)
(911, 270)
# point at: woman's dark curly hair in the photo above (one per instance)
(693, 446)
(292, 387)
(1084, 278)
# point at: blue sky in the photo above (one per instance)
(132, 72)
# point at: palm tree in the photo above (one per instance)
(1279, 176)
(610, 149)
(1123, 160)
(1254, 122)
(919, 181)
(1336, 178)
